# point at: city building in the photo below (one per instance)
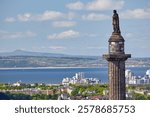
(18, 83)
(80, 79)
(148, 72)
(116, 62)
(137, 80)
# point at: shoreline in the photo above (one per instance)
(24, 68)
(30, 68)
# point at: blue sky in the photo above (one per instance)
(78, 27)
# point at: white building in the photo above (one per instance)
(19, 83)
(79, 79)
(148, 72)
(132, 79)
(129, 77)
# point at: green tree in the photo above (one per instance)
(137, 96)
(75, 92)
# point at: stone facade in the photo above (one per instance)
(116, 74)
(116, 63)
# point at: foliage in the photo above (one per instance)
(88, 90)
(11, 87)
(21, 96)
(14, 96)
(139, 87)
(137, 96)
(75, 92)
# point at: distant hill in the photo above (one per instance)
(39, 54)
(28, 53)
(21, 58)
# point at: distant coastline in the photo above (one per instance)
(28, 68)
(21, 68)
(51, 62)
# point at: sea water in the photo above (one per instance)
(55, 75)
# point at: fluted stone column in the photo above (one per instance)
(116, 62)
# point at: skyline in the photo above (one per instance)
(73, 27)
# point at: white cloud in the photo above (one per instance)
(45, 16)
(75, 6)
(60, 24)
(64, 35)
(15, 35)
(105, 4)
(95, 17)
(49, 15)
(136, 14)
(97, 5)
(24, 17)
(10, 19)
(57, 47)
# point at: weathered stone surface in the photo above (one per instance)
(116, 63)
(116, 37)
(115, 22)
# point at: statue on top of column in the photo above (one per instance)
(115, 22)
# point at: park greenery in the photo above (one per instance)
(88, 90)
(83, 90)
(137, 96)
(26, 86)
(21, 96)
(138, 87)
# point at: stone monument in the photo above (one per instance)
(116, 62)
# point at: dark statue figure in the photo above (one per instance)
(115, 22)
